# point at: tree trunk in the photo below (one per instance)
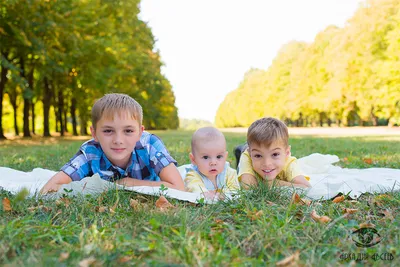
(33, 116)
(66, 117)
(13, 100)
(26, 102)
(61, 111)
(3, 81)
(46, 108)
(83, 126)
(73, 115)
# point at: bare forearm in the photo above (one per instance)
(55, 182)
(136, 182)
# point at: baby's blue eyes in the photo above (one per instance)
(218, 157)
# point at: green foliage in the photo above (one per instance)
(247, 231)
(82, 50)
(193, 124)
(347, 76)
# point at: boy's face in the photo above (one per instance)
(118, 137)
(268, 162)
(210, 157)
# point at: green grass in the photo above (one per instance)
(37, 232)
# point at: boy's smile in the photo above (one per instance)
(269, 162)
(118, 137)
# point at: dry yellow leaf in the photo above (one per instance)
(6, 204)
(290, 260)
(87, 262)
(297, 199)
(338, 199)
(63, 256)
(317, 218)
(350, 211)
(163, 203)
(134, 204)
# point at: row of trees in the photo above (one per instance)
(57, 57)
(348, 76)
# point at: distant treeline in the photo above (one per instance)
(57, 57)
(347, 76)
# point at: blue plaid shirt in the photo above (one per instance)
(148, 159)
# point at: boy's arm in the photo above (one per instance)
(301, 180)
(169, 175)
(247, 180)
(56, 182)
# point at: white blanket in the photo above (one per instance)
(327, 181)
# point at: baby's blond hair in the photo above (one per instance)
(206, 134)
(265, 131)
(111, 104)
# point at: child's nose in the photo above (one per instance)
(117, 139)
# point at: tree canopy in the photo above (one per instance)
(58, 57)
(348, 76)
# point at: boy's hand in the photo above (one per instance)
(55, 183)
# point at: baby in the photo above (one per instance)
(209, 171)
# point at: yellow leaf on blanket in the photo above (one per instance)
(163, 203)
(290, 261)
(338, 199)
(6, 204)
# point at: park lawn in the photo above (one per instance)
(260, 227)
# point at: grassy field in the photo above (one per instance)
(260, 228)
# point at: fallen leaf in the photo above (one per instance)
(87, 262)
(101, 209)
(134, 204)
(367, 225)
(317, 218)
(256, 215)
(63, 256)
(350, 211)
(6, 204)
(163, 203)
(338, 199)
(219, 221)
(289, 261)
(345, 159)
(125, 259)
(368, 161)
(297, 199)
(63, 200)
(388, 215)
(270, 203)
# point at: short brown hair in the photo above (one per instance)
(266, 131)
(206, 134)
(111, 104)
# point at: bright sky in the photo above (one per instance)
(208, 45)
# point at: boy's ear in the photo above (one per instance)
(192, 158)
(226, 154)
(141, 130)
(93, 132)
(288, 153)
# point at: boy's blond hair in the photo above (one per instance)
(112, 104)
(265, 131)
(205, 134)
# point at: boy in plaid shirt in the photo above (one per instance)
(120, 150)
